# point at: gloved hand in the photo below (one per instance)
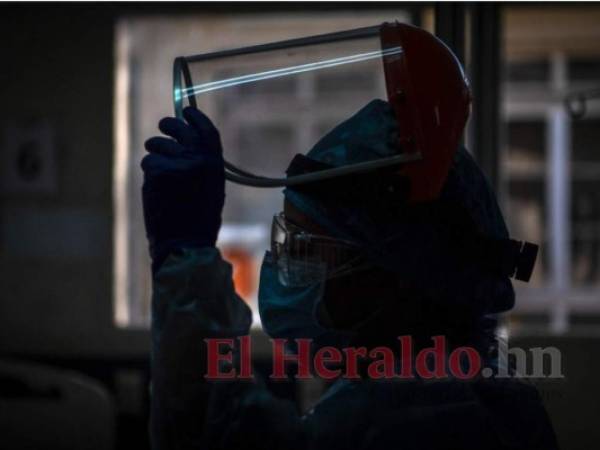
(184, 185)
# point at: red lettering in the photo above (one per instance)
(406, 352)
(473, 358)
(214, 358)
(384, 367)
(352, 353)
(438, 351)
(327, 355)
(280, 358)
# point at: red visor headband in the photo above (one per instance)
(430, 95)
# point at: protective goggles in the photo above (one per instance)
(304, 258)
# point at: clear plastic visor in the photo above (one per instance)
(275, 100)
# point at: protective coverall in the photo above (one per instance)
(194, 299)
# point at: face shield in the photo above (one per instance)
(418, 75)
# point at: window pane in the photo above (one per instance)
(585, 216)
(536, 71)
(584, 69)
(351, 81)
(585, 137)
(273, 146)
(274, 86)
(526, 140)
(253, 95)
(261, 115)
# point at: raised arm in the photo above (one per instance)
(194, 299)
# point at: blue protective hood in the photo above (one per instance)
(429, 259)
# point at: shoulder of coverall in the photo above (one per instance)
(437, 414)
(199, 281)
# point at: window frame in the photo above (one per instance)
(544, 101)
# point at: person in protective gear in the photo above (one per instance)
(364, 269)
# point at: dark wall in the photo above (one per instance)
(56, 243)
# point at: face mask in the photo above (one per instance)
(291, 312)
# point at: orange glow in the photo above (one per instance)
(243, 270)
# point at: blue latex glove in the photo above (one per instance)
(184, 185)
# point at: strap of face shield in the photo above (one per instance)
(385, 190)
(382, 187)
(509, 257)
